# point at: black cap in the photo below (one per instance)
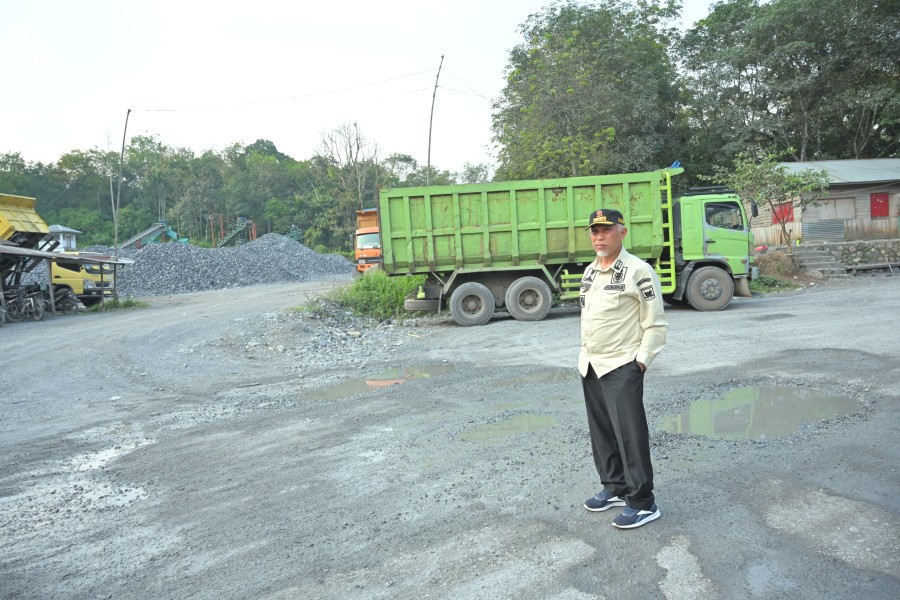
(605, 216)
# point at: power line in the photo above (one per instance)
(287, 99)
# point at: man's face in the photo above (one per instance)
(607, 239)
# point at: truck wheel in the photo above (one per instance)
(528, 299)
(709, 289)
(471, 304)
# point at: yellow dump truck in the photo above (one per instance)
(25, 241)
(89, 282)
(20, 225)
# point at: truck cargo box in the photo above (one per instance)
(517, 224)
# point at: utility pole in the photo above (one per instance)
(431, 122)
(119, 187)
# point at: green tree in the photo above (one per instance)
(757, 176)
(591, 90)
(473, 173)
(819, 76)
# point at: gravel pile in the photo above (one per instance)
(172, 268)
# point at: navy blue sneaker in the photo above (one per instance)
(632, 517)
(603, 501)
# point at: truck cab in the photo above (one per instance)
(713, 248)
(367, 240)
(89, 282)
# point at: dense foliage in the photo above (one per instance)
(593, 88)
(612, 87)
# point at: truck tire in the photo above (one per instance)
(709, 289)
(416, 304)
(528, 299)
(471, 304)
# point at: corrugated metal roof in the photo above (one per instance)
(869, 170)
(78, 257)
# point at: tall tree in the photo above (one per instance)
(819, 76)
(592, 89)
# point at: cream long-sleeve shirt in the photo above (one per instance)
(622, 317)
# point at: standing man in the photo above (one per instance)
(623, 327)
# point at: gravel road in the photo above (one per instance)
(219, 445)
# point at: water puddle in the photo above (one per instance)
(758, 413)
(517, 424)
(355, 387)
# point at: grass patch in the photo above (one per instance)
(766, 284)
(120, 304)
(378, 296)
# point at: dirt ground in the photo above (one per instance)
(213, 446)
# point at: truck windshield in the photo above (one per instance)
(368, 240)
(94, 269)
(724, 214)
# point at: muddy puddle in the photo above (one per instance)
(758, 413)
(362, 385)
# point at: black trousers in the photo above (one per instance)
(620, 438)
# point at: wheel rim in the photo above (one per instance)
(472, 305)
(529, 300)
(711, 289)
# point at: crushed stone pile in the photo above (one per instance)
(172, 268)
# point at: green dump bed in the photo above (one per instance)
(518, 224)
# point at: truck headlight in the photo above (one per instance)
(88, 284)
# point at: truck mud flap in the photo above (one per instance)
(742, 287)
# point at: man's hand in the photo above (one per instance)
(641, 366)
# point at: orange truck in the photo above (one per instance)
(368, 239)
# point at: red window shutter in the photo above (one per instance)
(783, 213)
(878, 205)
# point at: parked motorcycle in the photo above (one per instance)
(24, 301)
(63, 298)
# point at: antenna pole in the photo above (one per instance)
(431, 122)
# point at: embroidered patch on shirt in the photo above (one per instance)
(643, 281)
(648, 293)
(614, 288)
(619, 276)
(618, 265)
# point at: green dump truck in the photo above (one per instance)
(512, 245)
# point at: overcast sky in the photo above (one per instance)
(208, 74)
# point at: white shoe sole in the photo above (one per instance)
(644, 521)
(607, 507)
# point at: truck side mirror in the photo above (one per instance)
(754, 209)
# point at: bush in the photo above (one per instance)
(777, 264)
(379, 296)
